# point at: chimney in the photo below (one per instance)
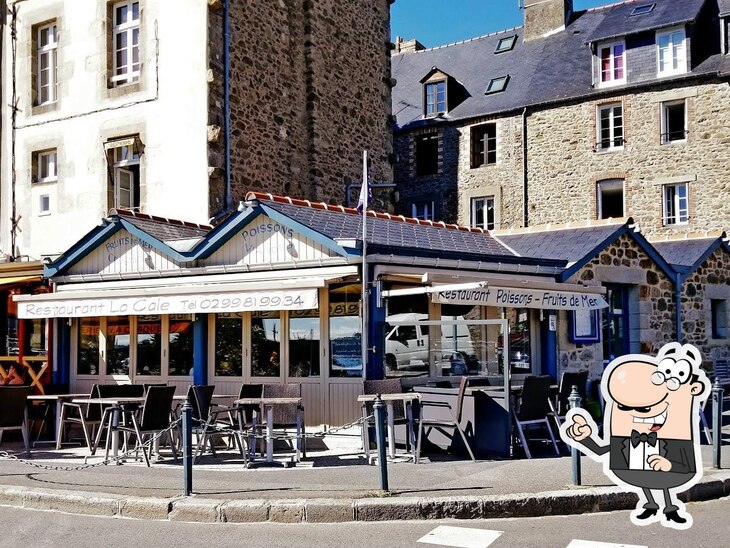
(545, 17)
(406, 46)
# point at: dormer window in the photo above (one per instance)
(435, 98)
(641, 10)
(497, 84)
(612, 64)
(671, 52)
(506, 44)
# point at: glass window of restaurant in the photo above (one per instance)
(180, 345)
(265, 344)
(228, 345)
(304, 343)
(149, 345)
(406, 340)
(345, 330)
(117, 345)
(87, 360)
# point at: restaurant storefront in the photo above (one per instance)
(273, 295)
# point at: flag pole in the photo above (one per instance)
(364, 196)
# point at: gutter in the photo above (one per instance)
(459, 264)
(525, 196)
(678, 305)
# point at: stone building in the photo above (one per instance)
(578, 117)
(142, 105)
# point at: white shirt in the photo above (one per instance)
(639, 454)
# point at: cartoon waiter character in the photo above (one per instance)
(651, 440)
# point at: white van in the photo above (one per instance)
(407, 345)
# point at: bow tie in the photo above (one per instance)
(637, 438)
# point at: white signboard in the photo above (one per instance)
(521, 298)
(285, 299)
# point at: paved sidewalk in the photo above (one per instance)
(329, 486)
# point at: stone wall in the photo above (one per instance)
(564, 168)
(709, 281)
(651, 305)
(310, 91)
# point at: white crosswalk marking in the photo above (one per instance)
(576, 543)
(460, 537)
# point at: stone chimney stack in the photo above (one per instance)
(406, 46)
(544, 17)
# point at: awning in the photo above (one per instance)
(297, 292)
(13, 280)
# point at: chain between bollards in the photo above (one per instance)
(187, 448)
(379, 411)
(717, 394)
(574, 403)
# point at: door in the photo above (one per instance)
(616, 328)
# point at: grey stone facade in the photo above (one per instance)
(309, 92)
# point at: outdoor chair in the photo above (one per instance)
(154, 418)
(88, 416)
(42, 413)
(534, 409)
(567, 381)
(288, 416)
(384, 386)
(721, 373)
(14, 412)
(439, 422)
(115, 391)
(212, 417)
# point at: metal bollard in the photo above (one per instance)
(379, 411)
(187, 448)
(717, 393)
(574, 403)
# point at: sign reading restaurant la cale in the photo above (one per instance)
(521, 298)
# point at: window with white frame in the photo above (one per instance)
(46, 55)
(482, 212)
(674, 121)
(124, 158)
(435, 98)
(610, 198)
(676, 205)
(45, 166)
(612, 61)
(44, 204)
(125, 43)
(483, 145)
(718, 309)
(671, 52)
(610, 127)
(423, 210)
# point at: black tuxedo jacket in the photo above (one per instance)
(681, 453)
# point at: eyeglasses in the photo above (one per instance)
(658, 378)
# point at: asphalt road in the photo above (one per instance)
(38, 528)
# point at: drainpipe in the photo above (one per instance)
(227, 97)
(525, 219)
(678, 305)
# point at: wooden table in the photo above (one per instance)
(58, 399)
(267, 405)
(116, 404)
(389, 399)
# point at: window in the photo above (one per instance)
(675, 204)
(423, 211)
(44, 205)
(265, 344)
(506, 44)
(125, 43)
(117, 345)
(87, 362)
(610, 198)
(304, 343)
(149, 345)
(482, 212)
(435, 98)
(180, 342)
(345, 330)
(719, 318)
(641, 10)
(47, 47)
(497, 84)
(45, 166)
(483, 145)
(674, 122)
(610, 127)
(124, 155)
(671, 52)
(613, 70)
(228, 345)
(427, 154)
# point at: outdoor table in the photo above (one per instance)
(58, 400)
(268, 404)
(116, 404)
(389, 399)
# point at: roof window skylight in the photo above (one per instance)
(641, 10)
(506, 44)
(497, 84)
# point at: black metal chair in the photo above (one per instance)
(210, 415)
(534, 409)
(116, 391)
(439, 423)
(154, 418)
(14, 412)
(568, 380)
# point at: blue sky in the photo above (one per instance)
(437, 22)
